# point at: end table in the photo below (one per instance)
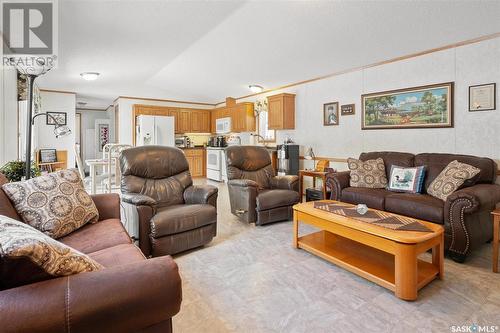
(496, 241)
(314, 174)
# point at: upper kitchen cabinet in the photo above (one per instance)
(241, 114)
(242, 118)
(281, 110)
(200, 121)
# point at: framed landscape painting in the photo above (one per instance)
(418, 107)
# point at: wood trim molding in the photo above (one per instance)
(164, 100)
(331, 159)
(379, 63)
(58, 91)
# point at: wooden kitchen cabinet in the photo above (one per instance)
(196, 160)
(281, 110)
(200, 121)
(184, 121)
(241, 114)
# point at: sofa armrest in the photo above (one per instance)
(243, 183)
(288, 182)
(108, 205)
(125, 298)
(466, 201)
(138, 199)
(201, 194)
(337, 182)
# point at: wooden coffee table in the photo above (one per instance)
(384, 256)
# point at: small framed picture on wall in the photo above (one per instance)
(331, 114)
(347, 109)
(59, 117)
(482, 97)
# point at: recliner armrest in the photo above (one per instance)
(337, 182)
(288, 182)
(108, 205)
(138, 199)
(125, 298)
(243, 183)
(201, 194)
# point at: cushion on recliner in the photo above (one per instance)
(372, 197)
(179, 218)
(269, 199)
(419, 206)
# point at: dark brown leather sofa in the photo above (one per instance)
(255, 193)
(174, 215)
(131, 294)
(465, 215)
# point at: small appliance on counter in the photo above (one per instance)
(182, 141)
(288, 159)
(233, 140)
(221, 141)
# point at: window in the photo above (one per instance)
(262, 122)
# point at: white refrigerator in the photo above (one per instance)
(155, 130)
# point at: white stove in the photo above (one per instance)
(216, 164)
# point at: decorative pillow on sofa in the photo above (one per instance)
(56, 204)
(404, 179)
(451, 179)
(27, 255)
(370, 174)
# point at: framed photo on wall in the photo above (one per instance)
(482, 97)
(347, 109)
(331, 114)
(428, 106)
(60, 117)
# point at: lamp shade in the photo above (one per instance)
(309, 154)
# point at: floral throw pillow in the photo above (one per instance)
(56, 204)
(369, 174)
(451, 179)
(20, 241)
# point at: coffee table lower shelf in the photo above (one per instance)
(368, 262)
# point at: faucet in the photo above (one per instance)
(261, 137)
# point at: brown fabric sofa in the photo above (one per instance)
(131, 294)
(174, 214)
(255, 193)
(465, 215)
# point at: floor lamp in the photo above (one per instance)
(32, 71)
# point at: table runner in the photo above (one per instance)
(382, 219)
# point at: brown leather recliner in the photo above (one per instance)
(174, 215)
(255, 193)
(465, 215)
(131, 294)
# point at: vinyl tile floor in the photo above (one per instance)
(250, 279)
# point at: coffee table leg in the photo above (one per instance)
(438, 257)
(295, 230)
(406, 272)
(496, 227)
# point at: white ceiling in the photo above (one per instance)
(207, 50)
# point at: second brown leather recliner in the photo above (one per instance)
(255, 193)
(174, 215)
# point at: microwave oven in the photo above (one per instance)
(223, 125)
(182, 142)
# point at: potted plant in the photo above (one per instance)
(14, 170)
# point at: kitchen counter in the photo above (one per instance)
(186, 148)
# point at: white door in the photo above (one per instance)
(164, 131)
(145, 130)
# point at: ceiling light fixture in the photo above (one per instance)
(255, 88)
(90, 76)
